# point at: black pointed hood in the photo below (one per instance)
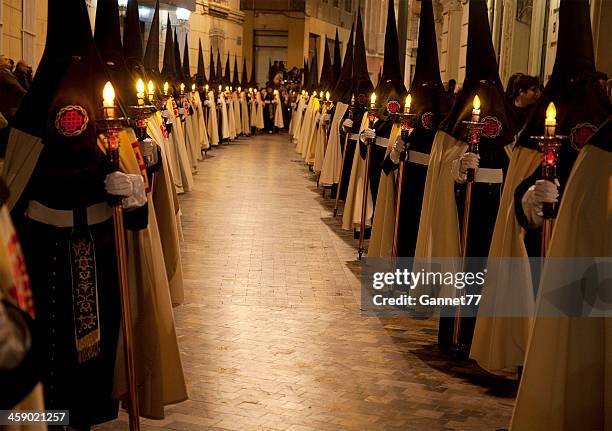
(227, 80)
(253, 81)
(107, 37)
(178, 66)
(201, 74)
(132, 42)
(482, 79)
(219, 71)
(186, 65)
(427, 91)
(270, 70)
(573, 83)
(169, 65)
(343, 90)
(212, 76)
(362, 84)
(337, 58)
(327, 72)
(235, 79)
(306, 76)
(67, 24)
(313, 82)
(245, 79)
(151, 57)
(390, 91)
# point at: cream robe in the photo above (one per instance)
(177, 139)
(253, 122)
(259, 113)
(236, 105)
(199, 124)
(351, 214)
(305, 128)
(383, 224)
(567, 380)
(244, 110)
(278, 113)
(192, 140)
(331, 168)
(231, 119)
(225, 128)
(213, 128)
(296, 121)
(310, 132)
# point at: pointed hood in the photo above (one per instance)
(178, 66)
(362, 85)
(67, 24)
(270, 70)
(227, 80)
(212, 76)
(245, 79)
(253, 81)
(343, 91)
(337, 58)
(151, 57)
(169, 66)
(313, 81)
(235, 79)
(219, 72)
(108, 40)
(482, 79)
(572, 84)
(186, 65)
(327, 72)
(390, 91)
(201, 75)
(306, 76)
(132, 41)
(427, 91)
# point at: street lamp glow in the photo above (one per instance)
(182, 14)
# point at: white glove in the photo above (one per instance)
(542, 191)
(317, 117)
(462, 164)
(130, 186)
(293, 104)
(207, 103)
(327, 118)
(398, 147)
(147, 148)
(347, 124)
(367, 134)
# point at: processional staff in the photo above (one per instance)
(346, 139)
(366, 181)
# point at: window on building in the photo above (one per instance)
(29, 31)
(335, 3)
(348, 5)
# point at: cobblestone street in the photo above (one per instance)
(271, 333)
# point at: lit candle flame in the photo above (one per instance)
(193, 87)
(151, 88)
(408, 102)
(321, 94)
(182, 88)
(476, 102)
(166, 88)
(108, 95)
(220, 87)
(327, 96)
(140, 87)
(227, 88)
(373, 99)
(551, 114)
(206, 87)
(239, 89)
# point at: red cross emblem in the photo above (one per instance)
(491, 127)
(580, 135)
(71, 120)
(393, 107)
(427, 120)
(362, 99)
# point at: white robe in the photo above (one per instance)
(278, 113)
(213, 122)
(225, 128)
(191, 135)
(200, 124)
(177, 139)
(332, 163)
(244, 109)
(259, 111)
(231, 118)
(237, 119)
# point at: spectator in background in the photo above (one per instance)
(525, 93)
(510, 85)
(11, 90)
(23, 73)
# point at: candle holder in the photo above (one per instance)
(139, 121)
(475, 129)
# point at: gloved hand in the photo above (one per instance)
(327, 118)
(367, 134)
(293, 104)
(317, 117)
(130, 186)
(398, 148)
(207, 103)
(347, 124)
(147, 148)
(462, 164)
(542, 191)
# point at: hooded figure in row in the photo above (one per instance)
(450, 162)
(236, 97)
(341, 95)
(427, 106)
(60, 182)
(188, 107)
(504, 319)
(315, 151)
(312, 108)
(195, 98)
(361, 90)
(244, 106)
(390, 95)
(229, 100)
(213, 120)
(222, 114)
(300, 108)
(183, 176)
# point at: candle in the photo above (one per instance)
(220, 87)
(193, 88)
(108, 100)
(206, 87)
(407, 104)
(182, 87)
(321, 94)
(476, 110)
(166, 88)
(327, 96)
(550, 124)
(227, 88)
(239, 89)
(373, 101)
(140, 92)
(151, 91)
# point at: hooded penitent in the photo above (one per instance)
(253, 81)
(428, 104)
(212, 76)
(201, 80)
(235, 78)
(500, 342)
(332, 163)
(219, 73)
(151, 57)
(108, 40)
(180, 76)
(313, 81)
(565, 382)
(186, 66)
(306, 76)
(244, 81)
(227, 80)
(337, 58)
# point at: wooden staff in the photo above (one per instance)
(366, 180)
(111, 126)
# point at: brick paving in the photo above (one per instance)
(271, 333)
